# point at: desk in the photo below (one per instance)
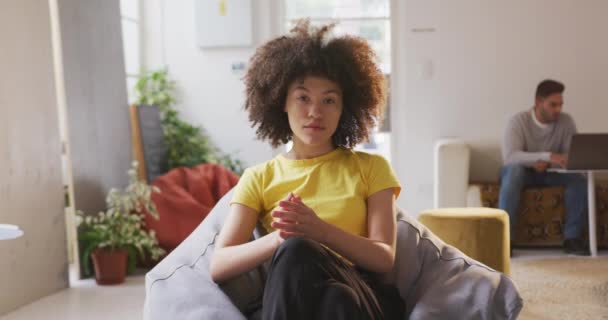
(592, 211)
(590, 202)
(9, 231)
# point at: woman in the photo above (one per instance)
(329, 210)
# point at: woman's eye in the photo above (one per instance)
(303, 98)
(329, 101)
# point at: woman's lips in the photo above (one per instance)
(314, 128)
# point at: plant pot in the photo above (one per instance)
(110, 265)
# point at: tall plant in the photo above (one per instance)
(187, 145)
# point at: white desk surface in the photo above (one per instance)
(560, 170)
(9, 231)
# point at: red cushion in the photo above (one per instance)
(186, 197)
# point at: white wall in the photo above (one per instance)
(209, 93)
(31, 191)
(487, 58)
(479, 66)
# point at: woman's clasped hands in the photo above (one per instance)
(292, 218)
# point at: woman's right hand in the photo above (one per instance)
(277, 233)
(295, 219)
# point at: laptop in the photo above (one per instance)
(588, 151)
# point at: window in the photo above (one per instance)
(130, 20)
(369, 19)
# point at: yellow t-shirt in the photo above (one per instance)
(335, 185)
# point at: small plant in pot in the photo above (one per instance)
(114, 238)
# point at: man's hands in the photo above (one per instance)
(294, 219)
(540, 166)
(559, 159)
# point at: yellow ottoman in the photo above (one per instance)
(480, 233)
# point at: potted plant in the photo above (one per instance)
(114, 238)
(187, 145)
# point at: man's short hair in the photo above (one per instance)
(548, 87)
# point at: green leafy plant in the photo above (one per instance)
(121, 225)
(187, 145)
(154, 88)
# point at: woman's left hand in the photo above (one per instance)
(295, 219)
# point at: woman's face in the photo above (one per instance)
(313, 106)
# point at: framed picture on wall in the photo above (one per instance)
(223, 23)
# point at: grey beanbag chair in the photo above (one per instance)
(435, 280)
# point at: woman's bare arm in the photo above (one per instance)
(234, 254)
(376, 252)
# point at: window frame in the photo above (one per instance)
(129, 76)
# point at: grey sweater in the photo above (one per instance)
(526, 141)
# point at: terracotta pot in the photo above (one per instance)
(110, 265)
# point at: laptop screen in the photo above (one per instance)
(588, 151)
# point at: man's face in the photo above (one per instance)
(550, 107)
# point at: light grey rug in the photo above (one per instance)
(562, 287)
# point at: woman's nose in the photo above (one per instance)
(314, 111)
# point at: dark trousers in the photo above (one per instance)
(307, 281)
(515, 177)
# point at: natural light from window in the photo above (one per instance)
(130, 20)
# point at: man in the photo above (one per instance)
(534, 141)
